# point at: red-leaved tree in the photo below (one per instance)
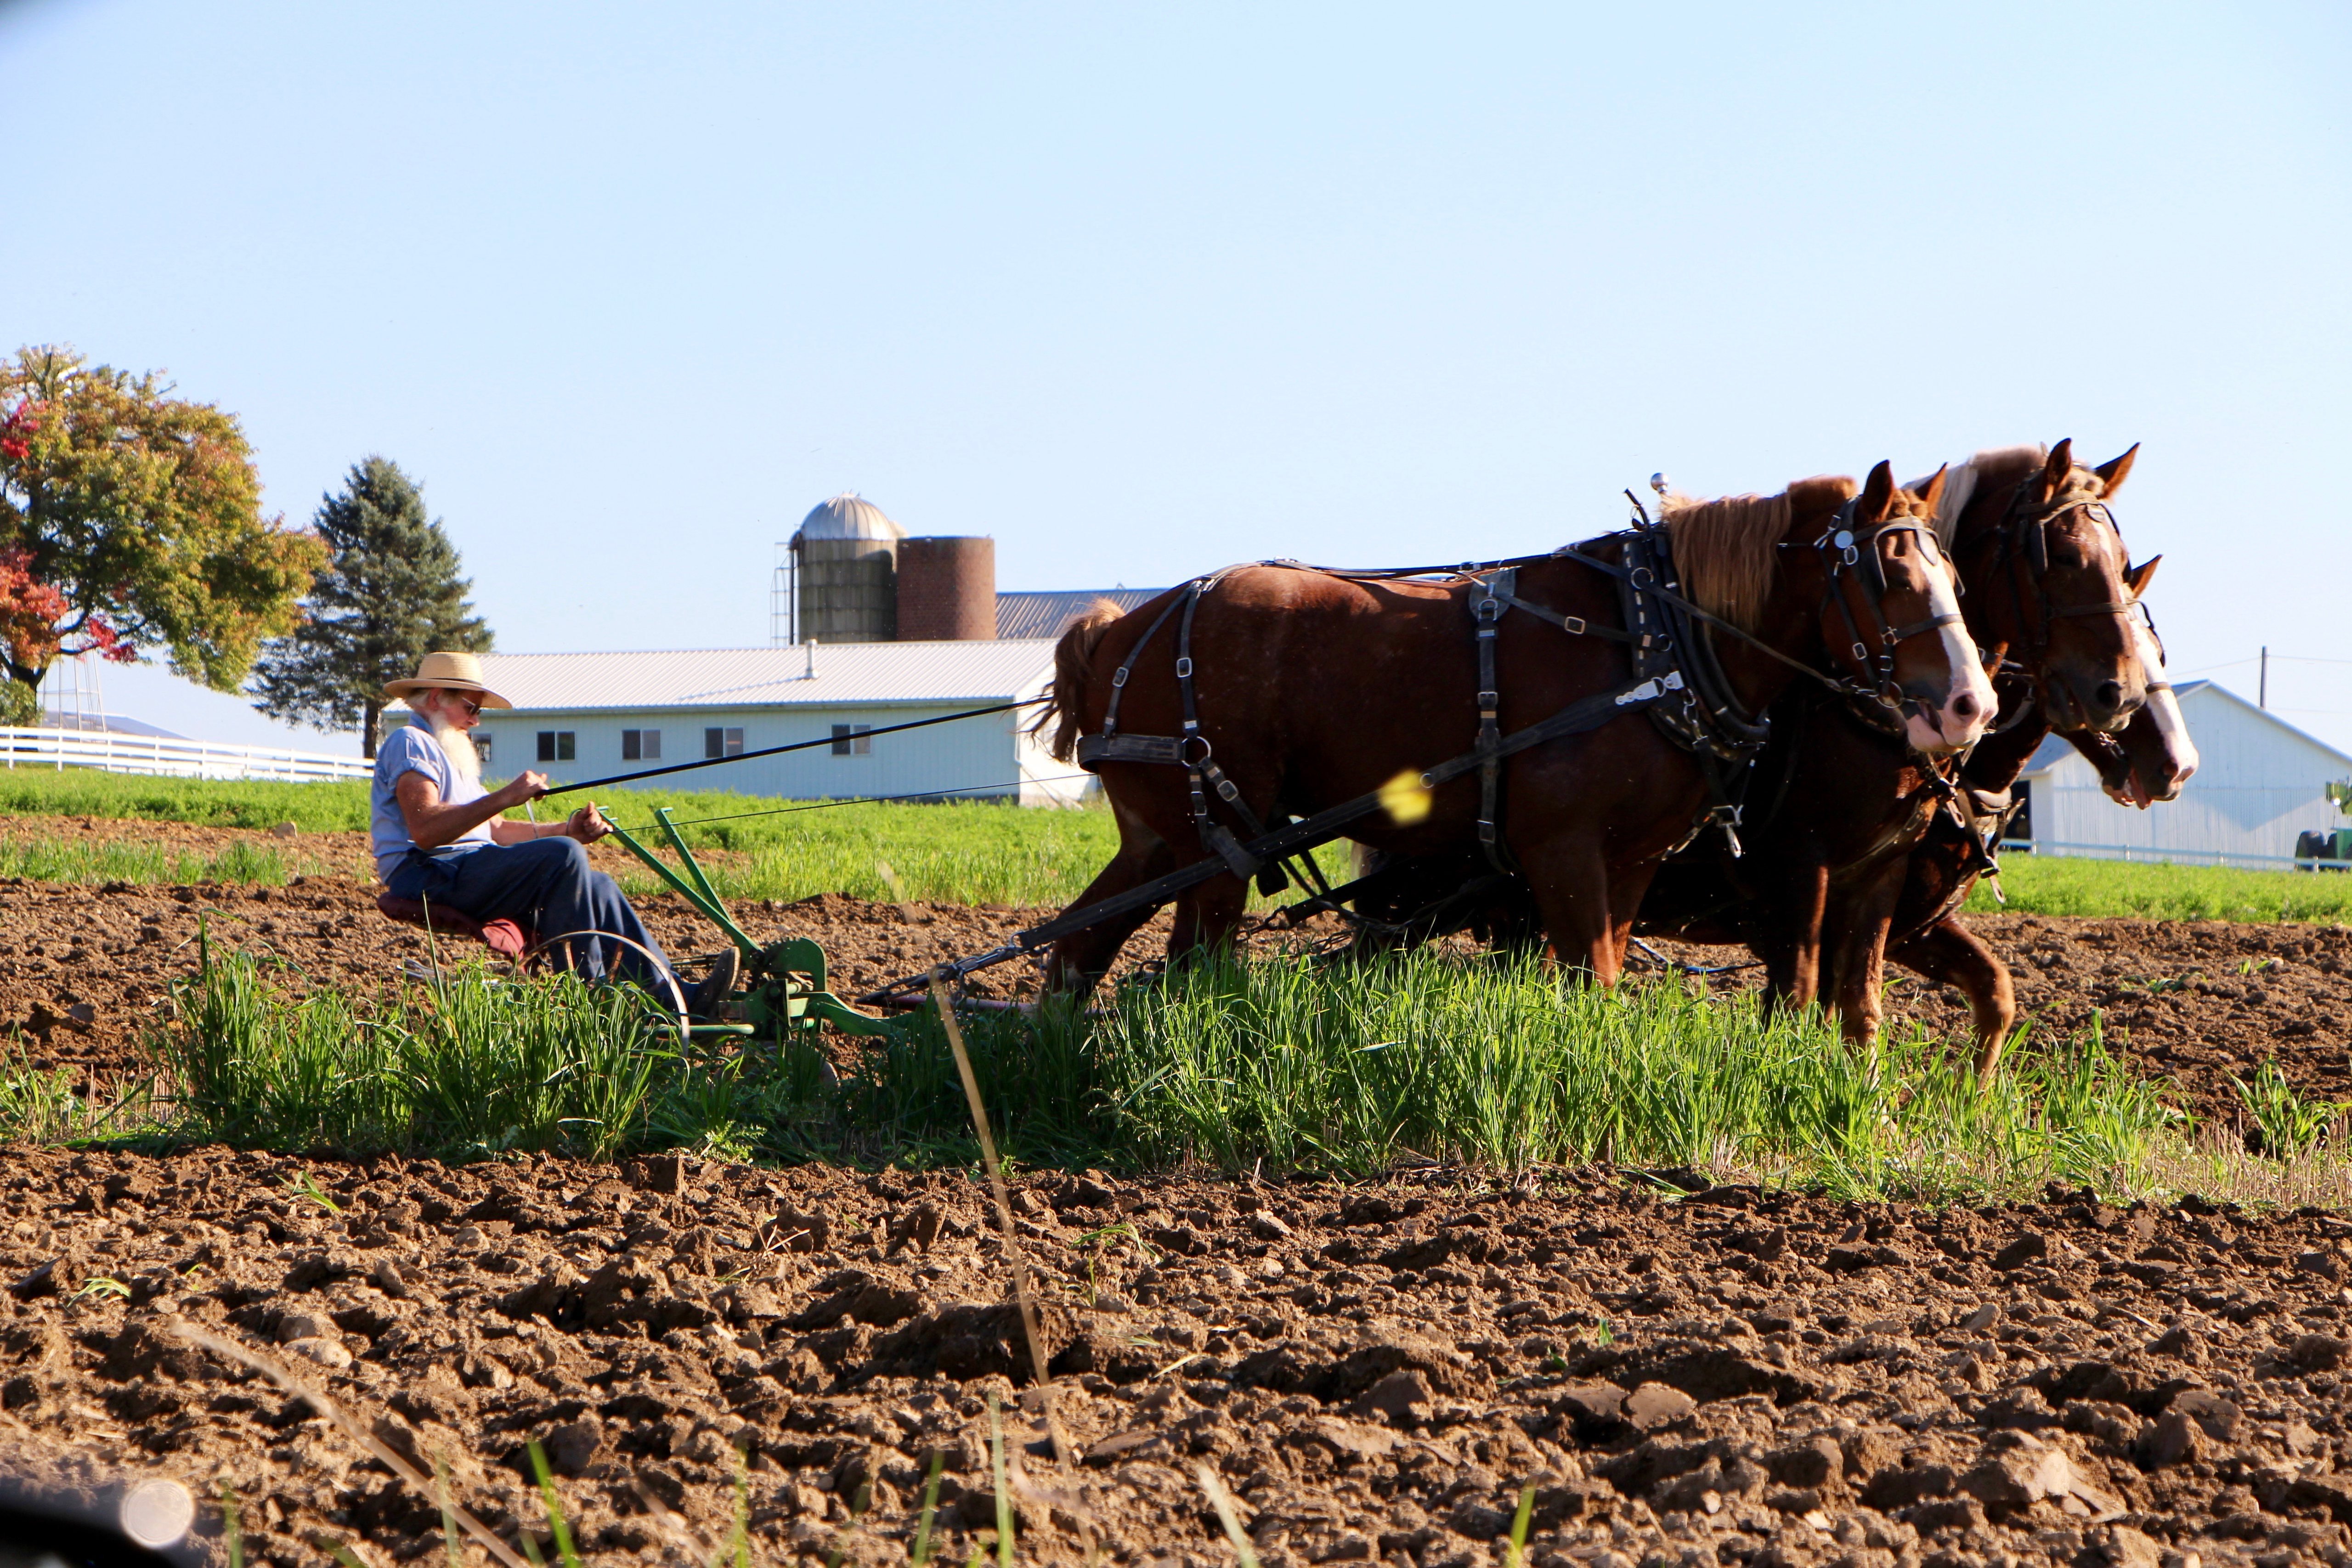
(131, 521)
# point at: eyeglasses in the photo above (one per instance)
(473, 709)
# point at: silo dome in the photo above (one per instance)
(848, 516)
(845, 557)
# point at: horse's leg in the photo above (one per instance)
(1788, 937)
(1206, 918)
(1859, 932)
(1081, 959)
(1951, 954)
(1626, 895)
(1569, 876)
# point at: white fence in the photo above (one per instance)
(118, 753)
(2146, 855)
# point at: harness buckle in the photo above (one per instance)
(1118, 678)
(1184, 670)
(1573, 624)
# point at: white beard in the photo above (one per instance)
(458, 747)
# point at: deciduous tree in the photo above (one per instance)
(390, 595)
(131, 521)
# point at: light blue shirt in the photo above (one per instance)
(413, 750)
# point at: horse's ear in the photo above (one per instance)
(2140, 576)
(1931, 494)
(1877, 493)
(2061, 464)
(2114, 470)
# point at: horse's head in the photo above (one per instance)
(1890, 613)
(2050, 586)
(2152, 756)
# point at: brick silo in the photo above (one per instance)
(947, 589)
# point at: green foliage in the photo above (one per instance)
(134, 522)
(2055, 884)
(391, 593)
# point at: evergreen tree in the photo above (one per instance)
(389, 595)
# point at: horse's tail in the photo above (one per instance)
(1072, 674)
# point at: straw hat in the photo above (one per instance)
(448, 672)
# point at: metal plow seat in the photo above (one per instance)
(508, 939)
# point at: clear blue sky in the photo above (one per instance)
(1142, 290)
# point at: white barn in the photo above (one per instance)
(587, 715)
(2259, 782)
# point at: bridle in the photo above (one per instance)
(2022, 544)
(1846, 548)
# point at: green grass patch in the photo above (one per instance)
(973, 852)
(128, 860)
(333, 806)
(1488, 1063)
(2055, 884)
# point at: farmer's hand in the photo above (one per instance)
(587, 824)
(524, 786)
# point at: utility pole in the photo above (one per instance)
(2263, 698)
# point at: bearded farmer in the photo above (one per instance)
(440, 838)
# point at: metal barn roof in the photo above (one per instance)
(2054, 749)
(801, 675)
(1045, 615)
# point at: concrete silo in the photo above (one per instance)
(844, 561)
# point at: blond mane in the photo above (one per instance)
(1725, 550)
(1993, 465)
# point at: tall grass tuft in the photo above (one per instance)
(476, 1066)
(1499, 1063)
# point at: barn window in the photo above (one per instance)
(851, 739)
(482, 745)
(722, 742)
(558, 745)
(641, 745)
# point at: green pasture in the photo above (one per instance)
(2051, 884)
(968, 851)
(1279, 1064)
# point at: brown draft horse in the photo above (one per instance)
(1836, 808)
(2147, 763)
(1313, 688)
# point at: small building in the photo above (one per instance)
(587, 715)
(2260, 784)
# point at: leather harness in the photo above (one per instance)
(1670, 642)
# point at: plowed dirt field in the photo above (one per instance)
(1732, 1376)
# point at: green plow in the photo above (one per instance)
(785, 995)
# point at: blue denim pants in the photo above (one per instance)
(547, 884)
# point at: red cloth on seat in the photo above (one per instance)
(506, 937)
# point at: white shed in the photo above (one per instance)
(2259, 782)
(587, 715)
